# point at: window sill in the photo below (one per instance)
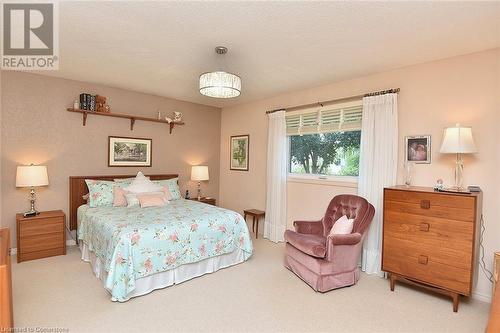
(338, 181)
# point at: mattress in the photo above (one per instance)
(136, 250)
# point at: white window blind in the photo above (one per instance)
(332, 118)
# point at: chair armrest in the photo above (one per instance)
(344, 250)
(308, 227)
(349, 239)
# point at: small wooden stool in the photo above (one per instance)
(255, 213)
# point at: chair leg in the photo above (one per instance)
(257, 230)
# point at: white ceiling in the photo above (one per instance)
(162, 47)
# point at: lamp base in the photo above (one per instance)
(30, 213)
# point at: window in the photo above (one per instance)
(326, 141)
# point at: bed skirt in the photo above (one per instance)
(185, 272)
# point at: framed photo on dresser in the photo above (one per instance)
(129, 152)
(239, 152)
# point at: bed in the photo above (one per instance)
(134, 251)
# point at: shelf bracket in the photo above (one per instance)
(84, 118)
(132, 122)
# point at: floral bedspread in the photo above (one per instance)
(136, 242)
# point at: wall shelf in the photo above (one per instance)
(132, 118)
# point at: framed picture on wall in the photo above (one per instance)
(418, 149)
(133, 152)
(239, 152)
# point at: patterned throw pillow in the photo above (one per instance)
(172, 185)
(100, 192)
(119, 199)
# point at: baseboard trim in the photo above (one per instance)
(70, 242)
(481, 297)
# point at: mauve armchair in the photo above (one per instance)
(329, 262)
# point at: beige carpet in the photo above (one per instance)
(257, 296)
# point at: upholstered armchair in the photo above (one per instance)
(328, 262)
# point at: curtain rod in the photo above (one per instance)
(344, 99)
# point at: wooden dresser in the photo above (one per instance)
(41, 236)
(429, 239)
(6, 313)
(494, 321)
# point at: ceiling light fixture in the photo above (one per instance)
(220, 84)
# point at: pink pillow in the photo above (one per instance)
(119, 199)
(168, 195)
(152, 200)
(343, 226)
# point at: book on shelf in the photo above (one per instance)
(87, 102)
(92, 102)
(83, 101)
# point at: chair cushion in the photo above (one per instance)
(311, 244)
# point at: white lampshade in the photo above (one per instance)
(458, 140)
(31, 175)
(199, 173)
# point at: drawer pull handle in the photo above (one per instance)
(425, 204)
(424, 226)
(423, 260)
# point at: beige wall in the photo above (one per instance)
(433, 95)
(36, 128)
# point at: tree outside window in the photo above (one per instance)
(333, 154)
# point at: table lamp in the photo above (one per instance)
(458, 140)
(199, 173)
(31, 176)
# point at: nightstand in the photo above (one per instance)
(41, 236)
(210, 201)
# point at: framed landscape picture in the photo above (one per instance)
(239, 152)
(418, 149)
(133, 152)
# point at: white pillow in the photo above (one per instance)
(142, 184)
(343, 226)
(133, 199)
(125, 180)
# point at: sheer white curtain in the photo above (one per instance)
(275, 222)
(377, 168)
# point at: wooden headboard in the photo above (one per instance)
(78, 188)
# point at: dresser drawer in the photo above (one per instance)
(414, 247)
(429, 208)
(434, 232)
(42, 226)
(425, 269)
(41, 242)
(434, 199)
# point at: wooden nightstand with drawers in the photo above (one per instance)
(209, 201)
(41, 236)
